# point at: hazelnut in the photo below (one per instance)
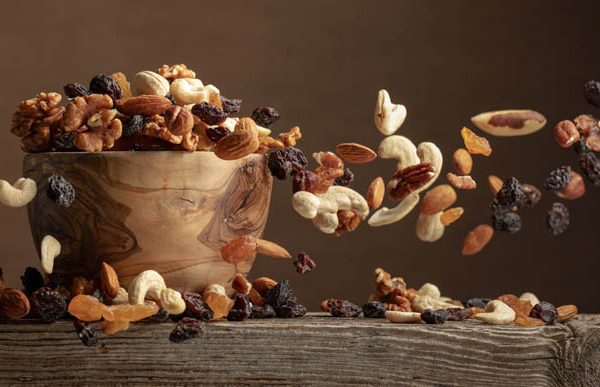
(14, 304)
(178, 120)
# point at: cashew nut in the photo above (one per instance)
(497, 313)
(122, 298)
(49, 250)
(429, 227)
(428, 289)
(326, 222)
(399, 148)
(385, 215)
(420, 303)
(388, 116)
(148, 283)
(532, 298)
(187, 91)
(428, 152)
(172, 302)
(347, 199)
(403, 317)
(309, 205)
(19, 194)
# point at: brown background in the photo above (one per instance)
(321, 64)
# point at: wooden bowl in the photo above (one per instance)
(168, 211)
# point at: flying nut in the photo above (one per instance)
(388, 116)
(510, 122)
(438, 199)
(495, 184)
(49, 250)
(399, 148)
(461, 182)
(376, 193)
(385, 216)
(477, 239)
(18, 194)
(428, 152)
(575, 189)
(429, 227)
(463, 162)
(354, 153)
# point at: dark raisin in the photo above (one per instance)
(73, 90)
(64, 142)
(497, 208)
(343, 308)
(374, 309)
(196, 307)
(546, 312)
(171, 98)
(280, 294)
(133, 125)
(216, 133)
(591, 93)
(285, 162)
(459, 314)
(435, 316)
(533, 195)
(305, 180)
(304, 263)
(86, 334)
(241, 310)
(99, 294)
(103, 84)
(160, 317)
(477, 302)
(209, 113)
(32, 280)
(265, 116)
(345, 179)
(187, 328)
(511, 194)
(47, 304)
(557, 219)
(266, 311)
(507, 221)
(231, 106)
(581, 147)
(590, 165)
(290, 310)
(60, 191)
(558, 179)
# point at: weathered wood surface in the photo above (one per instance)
(312, 350)
(168, 211)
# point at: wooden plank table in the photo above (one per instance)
(315, 349)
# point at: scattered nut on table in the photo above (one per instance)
(497, 313)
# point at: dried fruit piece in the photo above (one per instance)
(477, 302)
(238, 249)
(133, 126)
(103, 84)
(557, 219)
(304, 263)
(475, 144)
(507, 221)
(130, 313)
(376, 193)
(458, 314)
(280, 294)
(511, 195)
(533, 195)
(121, 79)
(342, 308)
(574, 189)
(241, 310)
(463, 162)
(73, 90)
(590, 165)
(290, 310)
(112, 327)
(290, 138)
(566, 134)
(231, 106)
(477, 239)
(196, 307)
(60, 191)
(216, 299)
(438, 199)
(88, 308)
(285, 162)
(345, 179)
(306, 180)
(32, 280)
(13, 304)
(461, 182)
(495, 184)
(187, 328)
(439, 316)
(566, 312)
(64, 142)
(591, 93)
(558, 179)
(354, 153)
(86, 334)
(215, 133)
(451, 215)
(47, 304)
(266, 311)
(265, 116)
(209, 113)
(546, 312)
(374, 309)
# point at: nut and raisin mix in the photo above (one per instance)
(477, 302)
(215, 133)
(133, 126)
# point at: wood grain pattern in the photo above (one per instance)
(311, 350)
(167, 211)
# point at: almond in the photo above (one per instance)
(14, 304)
(145, 105)
(438, 199)
(271, 249)
(463, 162)
(476, 240)
(263, 285)
(242, 142)
(451, 215)
(240, 284)
(354, 153)
(495, 183)
(109, 281)
(256, 298)
(461, 182)
(376, 193)
(566, 312)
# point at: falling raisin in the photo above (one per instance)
(305, 180)
(209, 113)
(215, 133)
(60, 191)
(533, 195)
(86, 334)
(266, 311)
(507, 221)
(590, 165)
(196, 307)
(374, 309)
(47, 304)
(345, 179)
(285, 162)
(133, 126)
(265, 116)
(290, 310)
(231, 106)
(64, 142)
(435, 316)
(342, 308)
(73, 90)
(280, 294)
(187, 328)
(32, 280)
(557, 219)
(477, 302)
(558, 179)
(511, 194)
(459, 314)
(304, 263)
(103, 84)
(241, 310)
(546, 312)
(160, 317)
(591, 93)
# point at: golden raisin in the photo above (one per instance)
(220, 304)
(111, 327)
(239, 249)
(475, 144)
(451, 215)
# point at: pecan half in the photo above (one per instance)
(410, 179)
